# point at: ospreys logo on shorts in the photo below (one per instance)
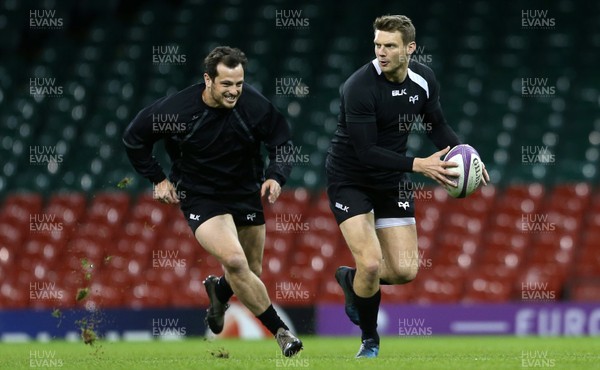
(342, 207)
(194, 217)
(251, 216)
(404, 205)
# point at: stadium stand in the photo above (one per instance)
(103, 60)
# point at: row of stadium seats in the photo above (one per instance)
(134, 251)
(107, 74)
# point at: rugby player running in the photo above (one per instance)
(367, 168)
(218, 178)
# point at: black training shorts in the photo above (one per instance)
(391, 207)
(246, 210)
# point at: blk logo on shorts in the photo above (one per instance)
(194, 217)
(342, 207)
(403, 205)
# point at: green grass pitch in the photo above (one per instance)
(320, 353)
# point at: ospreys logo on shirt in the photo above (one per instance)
(413, 99)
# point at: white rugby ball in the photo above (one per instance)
(470, 170)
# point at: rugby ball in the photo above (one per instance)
(470, 170)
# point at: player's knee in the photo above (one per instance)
(369, 267)
(409, 273)
(235, 263)
(404, 274)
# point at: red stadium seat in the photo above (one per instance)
(146, 295)
(321, 204)
(109, 208)
(140, 231)
(14, 296)
(11, 236)
(547, 277)
(294, 290)
(74, 202)
(480, 253)
(274, 265)
(397, 293)
(480, 288)
(330, 291)
(178, 226)
(585, 290)
(30, 202)
(534, 191)
(432, 289)
(587, 264)
(279, 243)
(502, 257)
(104, 295)
(191, 294)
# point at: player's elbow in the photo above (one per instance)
(364, 154)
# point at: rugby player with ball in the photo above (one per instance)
(367, 162)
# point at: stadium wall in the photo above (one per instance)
(543, 319)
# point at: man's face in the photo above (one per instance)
(391, 52)
(225, 90)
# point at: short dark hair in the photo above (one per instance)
(229, 56)
(400, 23)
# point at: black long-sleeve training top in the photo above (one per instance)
(376, 117)
(212, 150)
